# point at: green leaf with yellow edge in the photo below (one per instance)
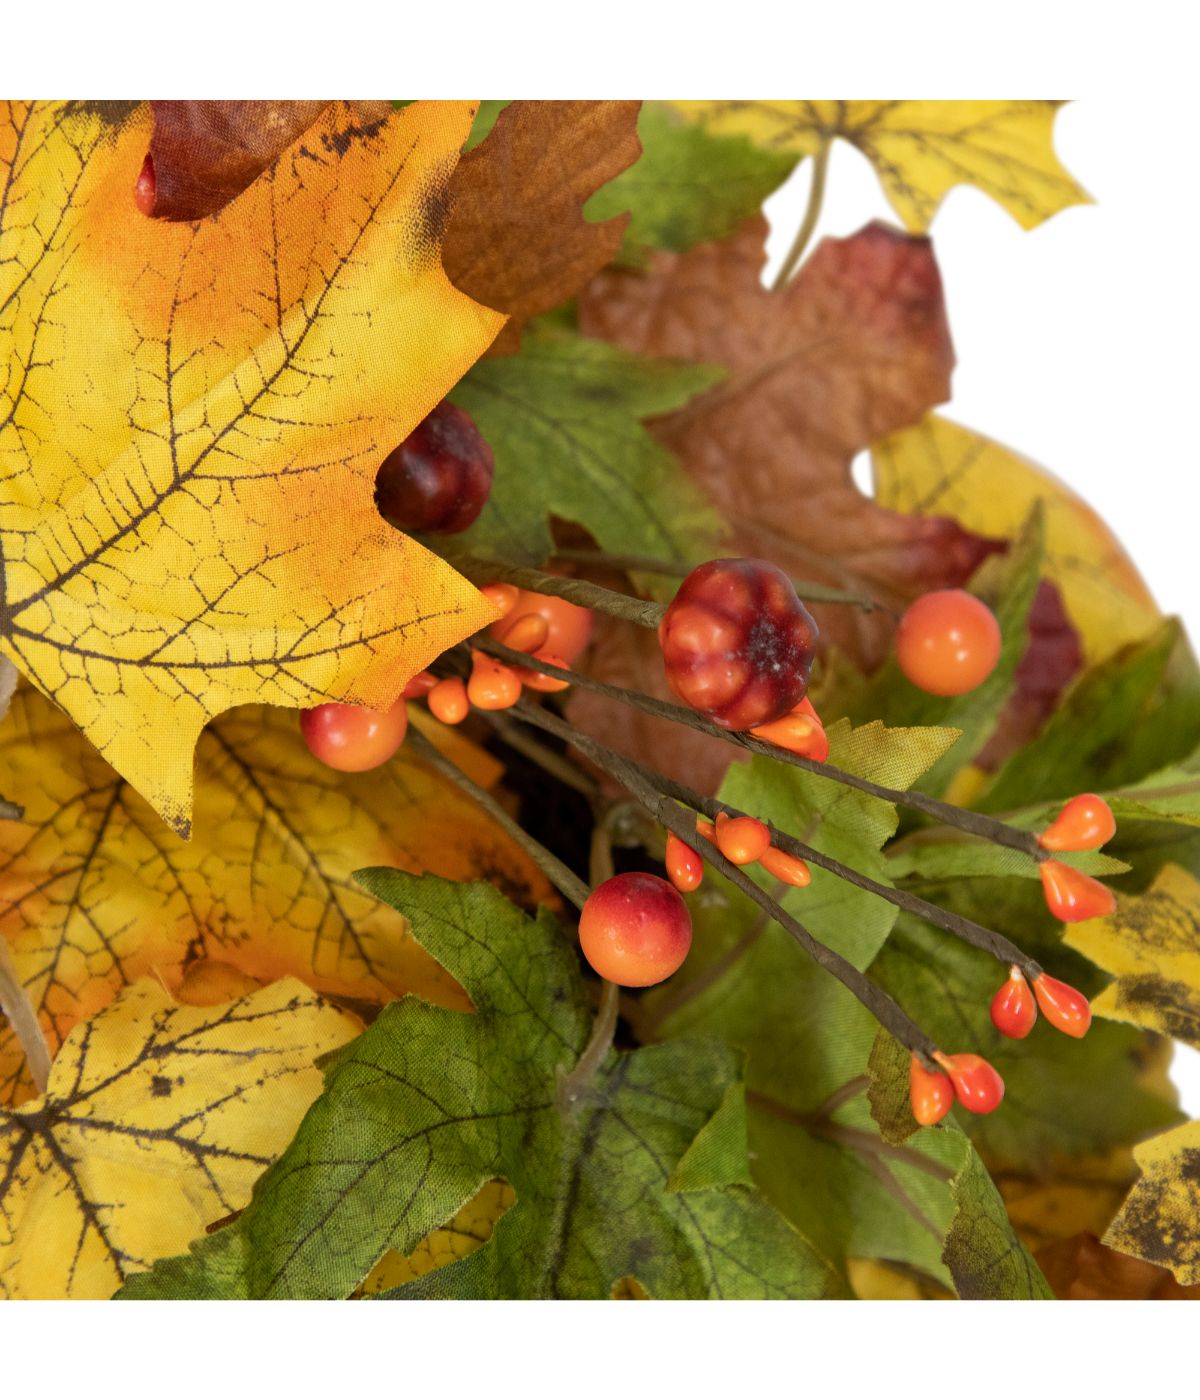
(920, 150)
(564, 421)
(95, 891)
(1151, 947)
(1007, 584)
(939, 468)
(451, 1100)
(690, 185)
(156, 1122)
(191, 419)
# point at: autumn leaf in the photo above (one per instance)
(95, 892)
(1081, 1268)
(921, 150)
(939, 468)
(564, 421)
(145, 1136)
(188, 521)
(516, 238)
(635, 1174)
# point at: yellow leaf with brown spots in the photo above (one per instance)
(920, 150)
(1151, 946)
(191, 419)
(1158, 1220)
(95, 891)
(939, 469)
(157, 1121)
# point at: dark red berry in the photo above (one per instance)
(737, 643)
(440, 476)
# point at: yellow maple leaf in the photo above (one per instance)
(941, 468)
(145, 1135)
(191, 418)
(1158, 1219)
(921, 150)
(95, 892)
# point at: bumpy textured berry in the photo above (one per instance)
(145, 191)
(1084, 824)
(1073, 896)
(799, 731)
(569, 628)
(977, 1086)
(737, 643)
(790, 869)
(684, 867)
(440, 476)
(1064, 1007)
(1014, 1009)
(353, 739)
(742, 840)
(448, 701)
(493, 685)
(929, 1092)
(635, 930)
(948, 642)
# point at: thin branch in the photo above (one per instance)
(812, 212)
(975, 822)
(15, 1004)
(10, 811)
(566, 881)
(557, 765)
(571, 1087)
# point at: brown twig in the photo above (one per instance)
(15, 1004)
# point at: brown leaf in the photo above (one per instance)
(854, 347)
(1083, 1268)
(206, 153)
(516, 238)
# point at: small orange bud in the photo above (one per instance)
(800, 731)
(977, 1086)
(706, 829)
(1065, 1008)
(448, 701)
(493, 686)
(502, 596)
(526, 633)
(790, 869)
(1084, 824)
(421, 684)
(684, 867)
(1014, 1010)
(743, 840)
(929, 1092)
(1073, 896)
(538, 680)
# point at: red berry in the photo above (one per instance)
(1066, 1009)
(440, 476)
(493, 685)
(421, 684)
(737, 643)
(145, 192)
(1072, 895)
(1014, 1009)
(569, 628)
(800, 731)
(743, 840)
(448, 701)
(352, 738)
(929, 1092)
(977, 1086)
(948, 642)
(684, 866)
(790, 869)
(1084, 824)
(635, 930)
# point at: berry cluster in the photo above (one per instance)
(1084, 824)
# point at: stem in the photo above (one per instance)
(557, 765)
(683, 824)
(564, 880)
(15, 1004)
(572, 1086)
(10, 811)
(975, 822)
(806, 589)
(812, 212)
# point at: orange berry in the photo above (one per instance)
(421, 684)
(1072, 895)
(977, 1086)
(635, 930)
(948, 642)
(743, 840)
(448, 701)
(790, 869)
(1014, 1010)
(569, 627)
(502, 596)
(352, 738)
(929, 1092)
(538, 680)
(493, 685)
(684, 866)
(1084, 824)
(527, 632)
(799, 731)
(1066, 1009)
(706, 829)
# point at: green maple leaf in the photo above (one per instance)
(564, 420)
(689, 186)
(642, 1176)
